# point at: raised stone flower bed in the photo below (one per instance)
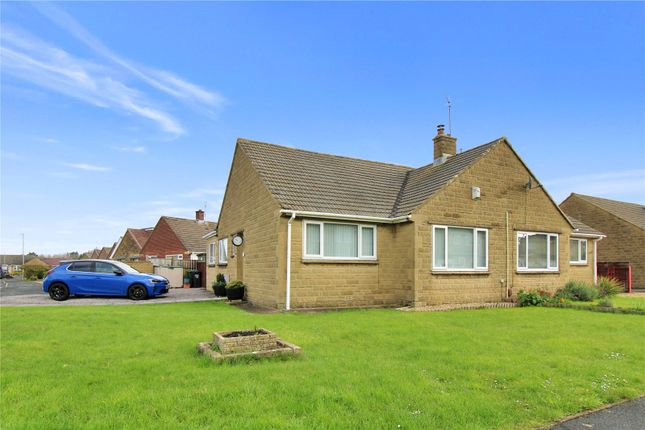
(236, 344)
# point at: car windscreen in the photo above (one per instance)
(125, 267)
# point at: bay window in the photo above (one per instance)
(537, 252)
(341, 241)
(223, 251)
(459, 248)
(578, 251)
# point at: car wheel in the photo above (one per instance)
(137, 292)
(59, 292)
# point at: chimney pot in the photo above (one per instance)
(440, 129)
(199, 215)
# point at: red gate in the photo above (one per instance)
(620, 271)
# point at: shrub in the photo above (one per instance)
(605, 303)
(608, 287)
(576, 290)
(235, 284)
(533, 298)
(220, 278)
(35, 272)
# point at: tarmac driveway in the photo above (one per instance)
(28, 293)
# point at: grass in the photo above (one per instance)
(136, 367)
(622, 301)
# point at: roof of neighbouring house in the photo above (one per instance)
(14, 259)
(633, 213)
(191, 232)
(51, 261)
(36, 262)
(582, 228)
(104, 253)
(312, 181)
(140, 235)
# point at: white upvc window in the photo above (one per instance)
(223, 251)
(338, 241)
(578, 251)
(175, 256)
(537, 252)
(211, 253)
(459, 248)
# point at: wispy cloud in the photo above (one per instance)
(48, 140)
(87, 167)
(203, 192)
(620, 184)
(139, 149)
(30, 59)
(162, 80)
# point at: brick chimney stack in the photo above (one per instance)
(444, 144)
(199, 215)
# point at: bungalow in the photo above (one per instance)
(624, 225)
(104, 253)
(178, 238)
(130, 244)
(308, 230)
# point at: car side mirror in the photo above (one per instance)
(118, 272)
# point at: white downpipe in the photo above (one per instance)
(595, 261)
(288, 301)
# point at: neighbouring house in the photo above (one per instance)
(129, 246)
(583, 251)
(624, 225)
(315, 230)
(104, 253)
(12, 264)
(95, 254)
(178, 238)
(51, 261)
(35, 268)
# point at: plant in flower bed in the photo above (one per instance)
(533, 298)
(577, 290)
(608, 287)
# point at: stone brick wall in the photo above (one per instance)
(584, 272)
(234, 345)
(625, 242)
(501, 176)
(250, 209)
(127, 249)
(384, 282)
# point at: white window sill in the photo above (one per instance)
(578, 263)
(460, 272)
(537, 272)
(338, 261)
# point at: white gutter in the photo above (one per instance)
(382, 220)
(288, 301)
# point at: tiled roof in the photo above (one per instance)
(36, 262)
(140, 235)
(582, 228)
(104, 253)
(631, 212)
(190, 232)
(14, 259)
(312, 181)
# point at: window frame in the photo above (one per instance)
(579, 261)
(548, 252)
(445, 268)
(359, 232)
(219, 251)
(211, 254)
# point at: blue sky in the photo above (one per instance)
(116, 113)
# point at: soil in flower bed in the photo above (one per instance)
(245, 333)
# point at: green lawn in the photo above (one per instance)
(136, 367)
(623, 301)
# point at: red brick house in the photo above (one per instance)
(178, 238)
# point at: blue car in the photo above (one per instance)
(101, 278)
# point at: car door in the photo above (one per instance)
(81, 277)
(108, 282)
